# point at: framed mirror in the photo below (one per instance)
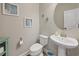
(61, 19)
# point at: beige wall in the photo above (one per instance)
(48, 11)
(12, 26)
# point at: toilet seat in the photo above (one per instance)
(36, 47)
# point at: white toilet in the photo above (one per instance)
(36, 49)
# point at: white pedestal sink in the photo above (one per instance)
(61, 51)
(63, 43)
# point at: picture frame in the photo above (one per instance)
(28, 23)
(10, 9)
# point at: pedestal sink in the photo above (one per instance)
(63, 43)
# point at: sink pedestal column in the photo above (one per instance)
(61, 51)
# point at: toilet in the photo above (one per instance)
(36, 49)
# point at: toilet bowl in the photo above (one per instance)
(37, 48)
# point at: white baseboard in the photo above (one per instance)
(25, 53)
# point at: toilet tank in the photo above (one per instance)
(43, 40)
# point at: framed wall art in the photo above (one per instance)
(10, 9)
(28, 23)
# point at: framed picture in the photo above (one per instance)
(10, 9)
(28, 23)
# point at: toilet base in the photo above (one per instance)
(41, 54)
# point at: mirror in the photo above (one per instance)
(59, 14)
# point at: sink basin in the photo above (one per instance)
(66, 42)
(63, 43)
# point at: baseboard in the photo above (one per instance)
(25, 53)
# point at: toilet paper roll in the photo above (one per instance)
(21, 41)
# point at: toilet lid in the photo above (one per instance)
(44, 36)
(36, 47)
